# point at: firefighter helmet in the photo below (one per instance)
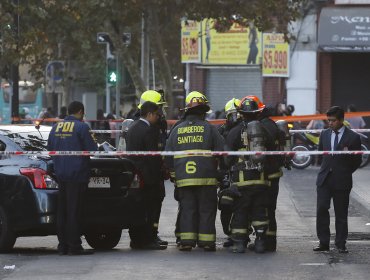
(153, 96)
(248, 106)
(196, 99)
(258, 101)
(232, 106)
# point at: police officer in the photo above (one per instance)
(249, 175)
(160, 128)
(196, 176)
(142, 136)
(273, 168)
(73, 174)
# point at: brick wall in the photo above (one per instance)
(273, 91)
(324, 80)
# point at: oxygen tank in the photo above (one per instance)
(256, 139)
(284, 140)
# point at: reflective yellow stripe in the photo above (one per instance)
(271, 233)
(239, 230)
(197, 182)
(177, 234)
(241, 176)
(188, 236)
(172, 174)
(275, 175)
(227, 197)
(155, 225)
(186, 156)
(206, 237)
(253, 182)
(259, 223)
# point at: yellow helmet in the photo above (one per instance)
(153, 96)
(232, 105)
(195, 99)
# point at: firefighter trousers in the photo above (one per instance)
(250, 208)
(272, 192)
(198, 208)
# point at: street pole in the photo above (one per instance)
(145, 51)
(118, 94)
(107, 88)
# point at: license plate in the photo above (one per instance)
(99, 182)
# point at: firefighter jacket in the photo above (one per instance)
(241, 175)
(275, 141)
(194, 134)
(71, 135)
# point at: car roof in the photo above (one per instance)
(23, 128)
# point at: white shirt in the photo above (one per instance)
(340, 134)
(144, 120)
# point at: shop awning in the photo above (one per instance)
(345, 29)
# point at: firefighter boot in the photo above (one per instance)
(270, 243)
(238, 246)
(259, 242)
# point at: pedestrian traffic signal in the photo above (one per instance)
(112, 71)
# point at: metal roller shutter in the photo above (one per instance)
(224, 84)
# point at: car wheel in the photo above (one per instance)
(365, 157)
(103, 240)
(301, 161)
(7, 237)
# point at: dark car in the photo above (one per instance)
(29, 190)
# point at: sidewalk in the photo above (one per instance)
(361, 189)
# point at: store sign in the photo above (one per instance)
(190, 41)
(239, 45)
(344, 29)
(351, 2)
(275, 55)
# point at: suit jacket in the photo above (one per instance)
(142, 137)
(340, 166)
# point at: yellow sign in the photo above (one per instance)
(239, 45)
(275, 55)
(190, 41)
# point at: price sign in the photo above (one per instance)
(190, 41)
(275, 55)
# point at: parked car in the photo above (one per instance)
(29, 190)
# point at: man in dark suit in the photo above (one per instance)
(142, 136)
(334, 180)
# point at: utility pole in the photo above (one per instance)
(145, 50)
(15, 72)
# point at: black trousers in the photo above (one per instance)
(69, 216)
(325, 193)
(153, 196)
(272, 194)
(251, 207)
(198, 208)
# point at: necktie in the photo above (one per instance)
(336, 140)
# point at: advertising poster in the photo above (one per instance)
(275, 55)
(190, 41)
(239, 45)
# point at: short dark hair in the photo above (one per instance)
(148, 107)
(352, 108)
(74, 107)
(336, 112)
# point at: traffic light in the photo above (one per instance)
(112, 71)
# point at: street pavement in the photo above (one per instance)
(36, 257)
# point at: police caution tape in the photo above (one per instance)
(179, 153)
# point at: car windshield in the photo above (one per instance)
(31, 140)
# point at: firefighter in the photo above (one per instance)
(160, 129)
(273, 167)
(249, 175)
(195, 176)
(232, 119)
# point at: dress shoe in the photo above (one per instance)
(238, 247)
(80, 252)
(342, 249)
(209, 248)
(62, 250)
(160, 241)
(153, 246)
(321, 248)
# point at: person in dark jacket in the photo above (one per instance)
(73, 174)
(334, 180)
(143, 136)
